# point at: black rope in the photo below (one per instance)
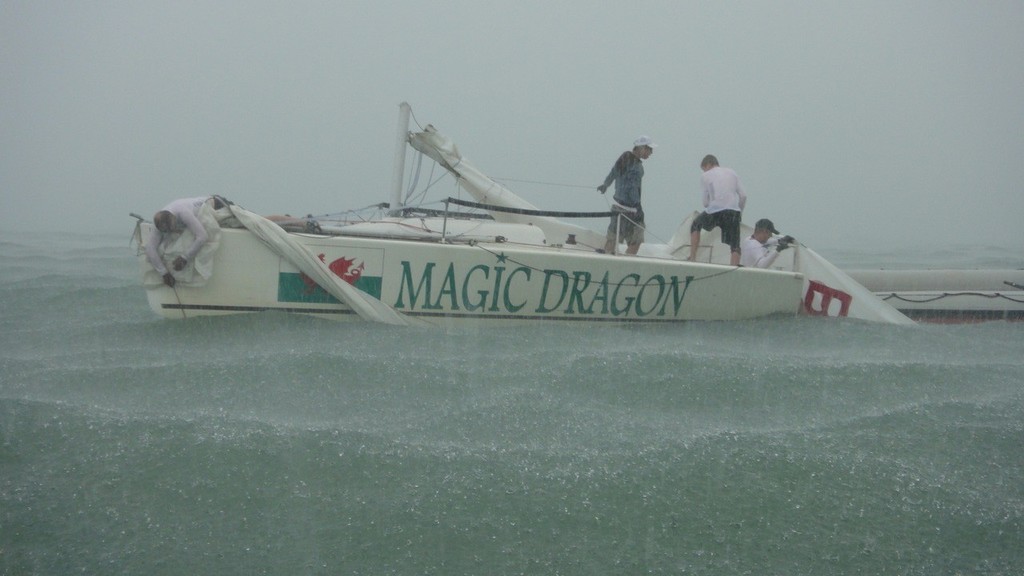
(527, 212)
(432, 212)
(500, 179)
(551, 213)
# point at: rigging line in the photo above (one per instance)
(642, 227)
(180, 307)
(421, 197)
(430, 184)
(336, 216)
(413, 197)
(526, 211)
(415, 121)
(137, 233)
(951, 294)
(415, 179)
(563, 185)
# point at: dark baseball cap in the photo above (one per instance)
(766, 224)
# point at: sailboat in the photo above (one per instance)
(493, 259)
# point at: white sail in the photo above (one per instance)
(828, 291)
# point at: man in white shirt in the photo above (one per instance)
(174, 219)
(723, 199)
(760, 249)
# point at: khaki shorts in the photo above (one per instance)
(627, 225)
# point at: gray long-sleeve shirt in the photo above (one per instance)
(627, 173)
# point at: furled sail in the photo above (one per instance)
(279, 241)
(486, 191)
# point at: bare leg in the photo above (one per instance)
(631, 249)
(694, 244)
(609, 245)
(734, 259)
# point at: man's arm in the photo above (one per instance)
(153, 251)
(617, 169)
(192, 223)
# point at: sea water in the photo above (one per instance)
(277, 444)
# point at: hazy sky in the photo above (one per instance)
(854, 122)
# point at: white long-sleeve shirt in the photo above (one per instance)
(721, 190)
(753, 254)
(185, 213)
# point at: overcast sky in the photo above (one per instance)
(865, 122)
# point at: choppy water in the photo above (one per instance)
(272, 444)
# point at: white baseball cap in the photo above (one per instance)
(644, 141)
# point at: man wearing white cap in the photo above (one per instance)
(627, 223)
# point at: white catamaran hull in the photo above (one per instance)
(949, 295)
(481, 281)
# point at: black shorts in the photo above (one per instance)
(727, 220)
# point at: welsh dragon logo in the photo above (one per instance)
(344, 268)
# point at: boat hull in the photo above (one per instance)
(949, 296)
(500, 282)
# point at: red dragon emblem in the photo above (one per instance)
(344, 268)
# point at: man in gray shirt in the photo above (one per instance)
(627, 223)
